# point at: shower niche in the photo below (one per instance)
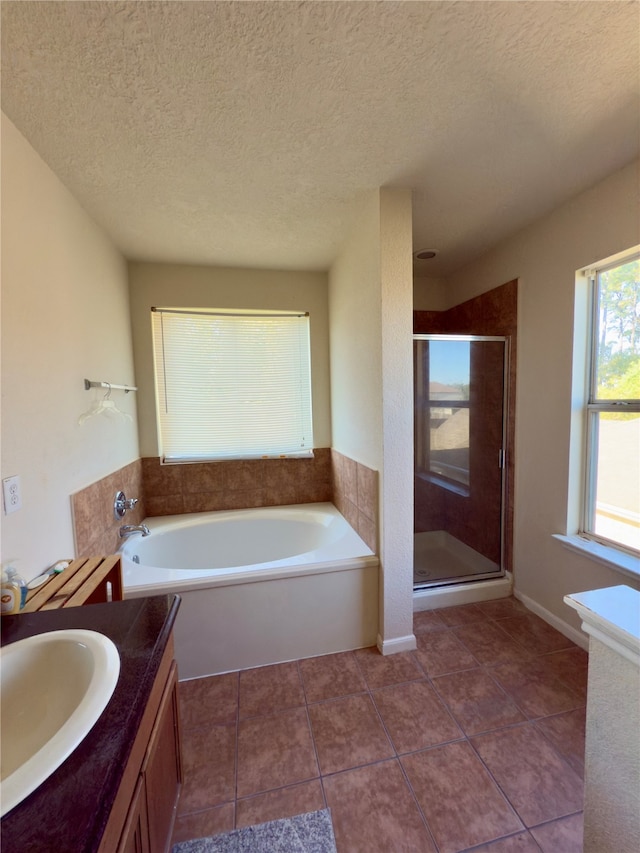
(460, 422)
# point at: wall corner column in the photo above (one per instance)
(396, 492)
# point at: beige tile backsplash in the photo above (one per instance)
(355, 494)
(211, 486)
(95, 528)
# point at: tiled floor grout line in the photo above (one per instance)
(446, 707)
(555, 819)
(522, 710)
(313, 740)
(464, 738)
(360, 669)
(237, 757)
(477, 848)
(556, 674)
(436, 846)
(504, 793)
(511, 698)
(398, 755)
(527, 721)
(486, 731)
(553, 746)
(395, 757)
(498, 785)
(370, 692)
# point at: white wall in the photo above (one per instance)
(370, 315)
(218, 287)
(545, 256)
(65, 316)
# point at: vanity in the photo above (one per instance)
(118, 790)
(611, 618)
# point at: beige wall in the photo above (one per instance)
(65, 316)
(429, 294)
(396, 620)
(544, 257)
(217, 287)
(355, 329)
(370, 311)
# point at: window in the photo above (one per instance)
(442, 377)
(232, 384)
(612, 493)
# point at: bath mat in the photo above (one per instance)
(304, 833)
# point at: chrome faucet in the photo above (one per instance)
(130, 529)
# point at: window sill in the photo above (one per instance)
(196, 460)
(435, 480)
(622, 562)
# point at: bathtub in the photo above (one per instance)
(258, 586)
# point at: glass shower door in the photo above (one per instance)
(459, 411)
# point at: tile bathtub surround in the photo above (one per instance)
(213, 486)
(95, 528)
(236, 484)
(443, 749)
(355, 494)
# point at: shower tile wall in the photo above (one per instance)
(95, 528)
(491, 313)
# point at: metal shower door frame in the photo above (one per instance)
(505, 453)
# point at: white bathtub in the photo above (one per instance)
(258, 586)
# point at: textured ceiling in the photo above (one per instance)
(240, 133)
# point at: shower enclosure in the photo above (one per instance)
(460, 387)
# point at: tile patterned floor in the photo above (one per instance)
(475, 741)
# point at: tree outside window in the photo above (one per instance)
(612, 505)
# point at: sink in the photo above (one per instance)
(53, 688)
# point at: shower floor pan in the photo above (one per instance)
(438, 557)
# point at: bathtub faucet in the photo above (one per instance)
(129, 529)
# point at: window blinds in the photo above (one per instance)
(232, 385)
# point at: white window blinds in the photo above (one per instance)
(232, 385)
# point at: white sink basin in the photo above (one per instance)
(53, 688)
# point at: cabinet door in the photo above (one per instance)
(163, 769)
(135, 835)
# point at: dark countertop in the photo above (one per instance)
(69, 811)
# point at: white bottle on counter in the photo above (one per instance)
(14, 591)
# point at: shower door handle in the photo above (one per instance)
(501, 458)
